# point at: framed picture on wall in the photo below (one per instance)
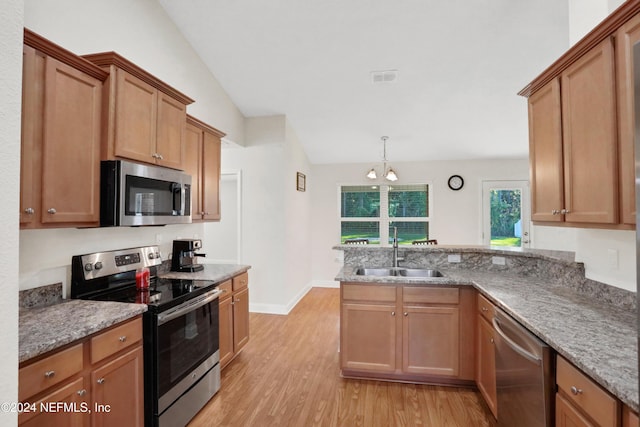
(301, 182)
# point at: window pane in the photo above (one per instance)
(352, 230)
(506, 218)
(409, 231)
(360, 202)
(408, 201)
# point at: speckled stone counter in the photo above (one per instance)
(213, 272)
(43, 329)
(597, 336)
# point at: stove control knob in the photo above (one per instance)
(98, 265)
(88, 267)
(151, 255)
(157, 255)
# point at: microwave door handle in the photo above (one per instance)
(176, 189)
(183, 197)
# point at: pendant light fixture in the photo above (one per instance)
(389, 174)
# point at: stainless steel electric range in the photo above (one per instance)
(181, 343)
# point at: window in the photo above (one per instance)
(369, 213)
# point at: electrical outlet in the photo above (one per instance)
(498, 260)
(612, 256)
(454, 258)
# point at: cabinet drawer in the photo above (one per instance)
(586, 394)
(43, 374)
(241, 281)
(371, 293)
(116, 339)
(419, 295)
(485, 308)
(629, 418)
(226, 288)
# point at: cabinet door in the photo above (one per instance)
(74, 395)
(368, 337)
(193, 166)
(172, 116)
(31, 143)
(626, 37)
(240, 319)
(118, 387)
(486, 364)
(545, 153)
(431, 338)
(568, 416)
(226, 331)
(71, 146)
(211, 177)
(589, 138)
(136, 118)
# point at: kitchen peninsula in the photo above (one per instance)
(590, 324)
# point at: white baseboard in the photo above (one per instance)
(279, 308)
(325, 284)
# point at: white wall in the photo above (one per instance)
(274, 215)
(11, 95)
(584, 15)
(142, 32)
(456, 217)
(222, 236)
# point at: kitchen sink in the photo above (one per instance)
(417, 273)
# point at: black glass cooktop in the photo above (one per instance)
(162, 294)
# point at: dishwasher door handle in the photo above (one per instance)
(515, 347)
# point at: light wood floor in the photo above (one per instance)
(288, 375)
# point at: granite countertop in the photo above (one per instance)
(213, 272)
(43, 329)
(598, 338)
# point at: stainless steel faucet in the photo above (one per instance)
(396, 258)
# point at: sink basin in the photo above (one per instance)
(402, 272)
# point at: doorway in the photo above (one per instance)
(224, 237)
(506, 214)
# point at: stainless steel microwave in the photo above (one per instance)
(133, 194)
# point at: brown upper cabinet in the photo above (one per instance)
(143, 118)
(61, 126)
(581, 129)
(202, 162)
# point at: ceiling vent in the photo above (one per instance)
(385, 76)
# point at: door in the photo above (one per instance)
(193, 167)
(172, 117)
(226, 331)
(506, 213)
(73, 395)
(211, 177)
(240, 319)
(486, 364)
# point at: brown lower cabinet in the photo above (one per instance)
(485, 354)
(407, 333)
(234, 317)
(95, 382)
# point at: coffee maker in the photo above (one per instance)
(184, 257)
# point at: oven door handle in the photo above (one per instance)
(188, 306)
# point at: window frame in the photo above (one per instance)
(384, 220)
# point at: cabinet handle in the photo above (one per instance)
(101, 381)
(29, 211)
(49, 374)
(565, 211)
(122, 338)
(485, 309)
(154, 155)
(82, 392)
(51, 211)
(575, 390)
(491, 340)
(393, 313)
(406, 314)
(160, 156)
(237, 300)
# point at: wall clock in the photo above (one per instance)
(455, 182)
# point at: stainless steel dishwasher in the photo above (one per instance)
(524, 375)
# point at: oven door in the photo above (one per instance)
(187, 346)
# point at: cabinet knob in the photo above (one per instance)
(101, 381)
(393, 313)
(491, 340)
(485, 309)
(29, 211)
(49, 374)
(405, 314)
(51, 211)
(575, 390)
(122, 338)
(82, 392)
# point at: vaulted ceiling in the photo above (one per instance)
(459, 63)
